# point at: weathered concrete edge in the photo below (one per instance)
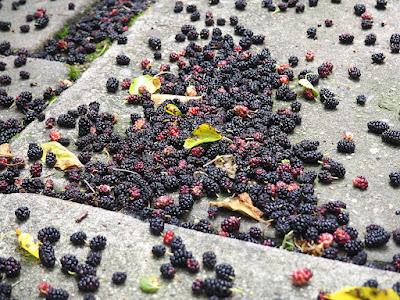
(261, 271)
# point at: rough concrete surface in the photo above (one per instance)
(56, 10)
(261, 272)
(285, 36)
(43, 74)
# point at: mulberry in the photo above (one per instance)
(345, 146)
(88, 283)
(377, 127)
(225, 272)
(119, 278)
(391, 137)
(22, 213)
(49, 234)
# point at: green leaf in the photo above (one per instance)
(172, 109)
(204, 133)
(65, 158)
(306, 84)
(277, 10)
(152, 84)
(149, 284)
(288, 243)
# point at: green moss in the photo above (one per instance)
(73, 73)
(134, 19)
(52, 100)
(101, 48)
(62, 33)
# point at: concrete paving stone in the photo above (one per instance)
(43, 74)
(261, 272)
(285, 36)
(34, 39)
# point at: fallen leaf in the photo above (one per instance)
(308, 85)
(227, 163)
(26, 242)
(65, 158)
(172, 109)
(241, 203)
(151, 83)
(288, 242)
(363, 293)
(310, 248)
(204, 133)
(149, 284)
(5, 150)
(159, 99)
(191, 91)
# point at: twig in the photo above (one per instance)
(123, 170)
(16, 283)
(90, 187)
(82, 217)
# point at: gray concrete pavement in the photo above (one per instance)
(261, 272)
(57, 11)
(43, 74)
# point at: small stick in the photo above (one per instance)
(123, 170)
(90, 187)
(82, 217)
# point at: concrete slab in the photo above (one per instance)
(262, 273)
(56, 10)
(372, 159)
(43, 74)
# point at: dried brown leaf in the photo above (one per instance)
(5, 150)
(310, 248)
(241, 203)
(227, 163)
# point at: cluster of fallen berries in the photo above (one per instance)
(220, 287)
(10, 268)
(29, 106)
(148, 161)
(40, 17)
(84, 272)
(388, 135)
(106, 21)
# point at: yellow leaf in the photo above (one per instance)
(26, 242)
(241, 203)
(5, 150)
(151, 83)
(172, 109)
(65, 158)
(204, 133)
(363, 293)
(158, 99)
